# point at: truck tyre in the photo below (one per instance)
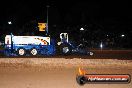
(21, 51)
(33, 51)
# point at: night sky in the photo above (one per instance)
(105, 15)
(109, 14)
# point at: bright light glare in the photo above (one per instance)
(122, 35)
(82, 29)
(9, 22)
(101, 45)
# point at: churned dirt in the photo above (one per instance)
(58, 72)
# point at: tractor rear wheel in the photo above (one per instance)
(65, 49)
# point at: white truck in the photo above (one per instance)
(33, 45)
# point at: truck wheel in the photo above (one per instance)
(21, 51)
(33, 51)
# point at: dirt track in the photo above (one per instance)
(58, 72)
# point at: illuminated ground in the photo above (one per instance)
(58, 72)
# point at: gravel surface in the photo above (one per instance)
(58, 72)
(61, 62)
